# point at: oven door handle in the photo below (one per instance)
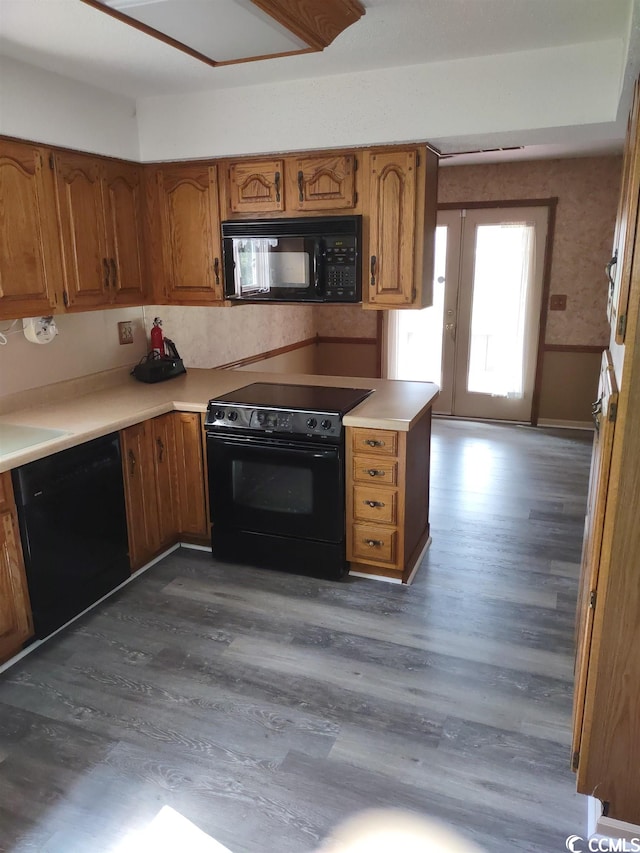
(289, 447)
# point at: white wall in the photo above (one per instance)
(544, 89)
(87, 343)
(46, 107)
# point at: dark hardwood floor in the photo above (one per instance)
(266, 707)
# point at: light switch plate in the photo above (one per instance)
(125, 332)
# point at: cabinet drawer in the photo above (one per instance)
(372, 470)
(381, 441)
(377, 505)
(374, 544)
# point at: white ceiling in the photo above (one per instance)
(75, 40)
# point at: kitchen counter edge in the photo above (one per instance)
(395, 405)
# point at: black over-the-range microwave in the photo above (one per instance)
(310, 259)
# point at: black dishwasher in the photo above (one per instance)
(73, 528)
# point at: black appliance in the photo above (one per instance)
(308, 259)
(275, 456)
(73, 529)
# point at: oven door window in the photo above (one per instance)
(283, 490)
(280, 267)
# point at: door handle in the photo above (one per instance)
(373, 270)
(160, 446)
(216, 270)
(114, 273)
(301, 185)
(132, 463)
(596, 411)
(278, 187)
(105, 264)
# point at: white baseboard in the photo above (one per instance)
(551, 422)
(194, 547)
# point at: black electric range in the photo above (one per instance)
(294, 411)
(275, 455)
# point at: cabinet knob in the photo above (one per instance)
(374, 472)
(372, 442)
(373, 503)
(372, 543)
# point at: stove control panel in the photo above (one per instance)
(249, 419)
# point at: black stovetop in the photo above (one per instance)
(308, 398)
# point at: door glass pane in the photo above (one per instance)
(262, 263)
(275, 487)
(420, 332)
(502, 272)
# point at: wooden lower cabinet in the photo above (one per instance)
(15, 609)
(164, 484)
(388, 498)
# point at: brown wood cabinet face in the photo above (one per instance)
(190, 227)
(255, 186)
(592, 545)
(165, 462)
(122, 194)
(140, 493)
(321, 183)
(626, 224)
(31, 277)
(389, 271)
(191, 483)
(15, 609)
(83, 230)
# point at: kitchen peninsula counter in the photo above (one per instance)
(395, 405)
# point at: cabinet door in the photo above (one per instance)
(321, 183)
(392, 228)
(122, 194)
(140, 493)
(191, 481)
(15, 610)
(604, 415)
(165, 458)
(30, 253)
(190, 225)
(255, 186)
(83, 230)
(619, 269)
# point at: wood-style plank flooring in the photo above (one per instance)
(265, 707)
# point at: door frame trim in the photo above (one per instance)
(551, 204)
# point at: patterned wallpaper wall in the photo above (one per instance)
(587, 190)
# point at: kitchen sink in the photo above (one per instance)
(14, 437)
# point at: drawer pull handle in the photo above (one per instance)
(132, 463)
(373, 543)
(373, 503)
(373, 472)
(372, 442)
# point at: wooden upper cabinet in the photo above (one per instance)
(321, 183)
(619, 268)
(190, 233)
(100, 207)
(123, 204)
(83, 230)
(254, 186)
(398, 267)
(30, 258)
(15, 609)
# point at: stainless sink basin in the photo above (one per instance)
(14, 437)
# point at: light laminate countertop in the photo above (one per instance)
(394, 405)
